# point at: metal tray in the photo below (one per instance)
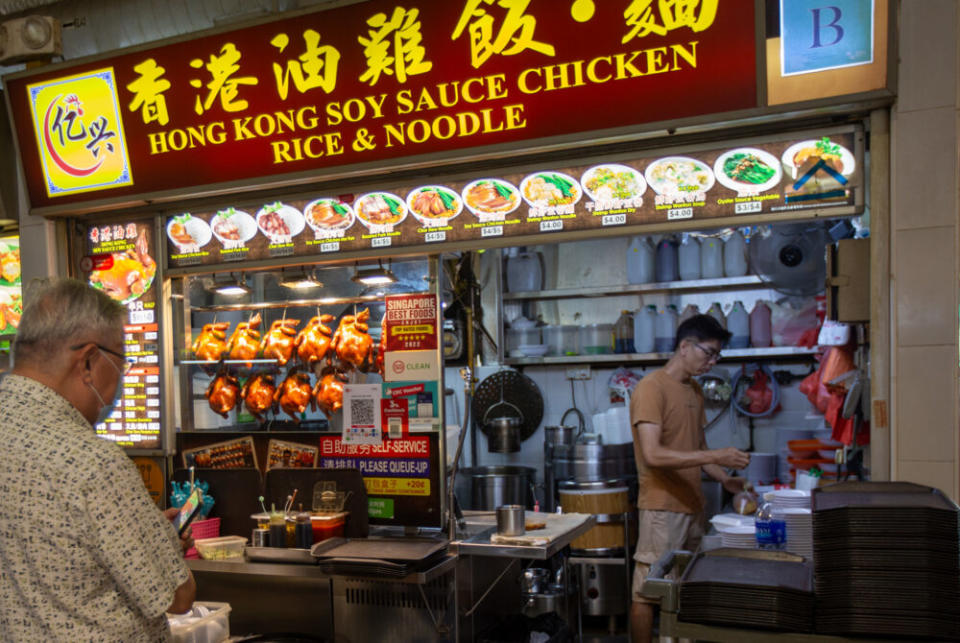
(280, 555)
(409, 550)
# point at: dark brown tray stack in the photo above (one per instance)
(748, 588)
(887, 560)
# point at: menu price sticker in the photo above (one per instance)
(435, 236)
(748, 207)
(676, 214)
(614, 219)
(330, 246)
(491, 231)
(381, 242)
(551, 225)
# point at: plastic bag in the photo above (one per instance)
(793, 327)
(621, 384)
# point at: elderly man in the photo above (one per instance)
(84, 552)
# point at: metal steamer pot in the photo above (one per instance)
(587, 461)
(503, 434)
(492, 487)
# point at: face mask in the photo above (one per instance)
(106, 410)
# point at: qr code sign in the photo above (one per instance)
(361, 411)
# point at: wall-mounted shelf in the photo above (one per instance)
(747, 281)
(730, 354)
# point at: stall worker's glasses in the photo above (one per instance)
(128, 362)
(712, 355)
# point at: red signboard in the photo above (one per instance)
(410, 322)
(370, 82)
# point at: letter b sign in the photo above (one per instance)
(816, 35)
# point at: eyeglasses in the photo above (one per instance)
(712, 355)
(128, 362)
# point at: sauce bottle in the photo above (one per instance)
(278, 530)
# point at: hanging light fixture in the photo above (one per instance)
(378, 276)
(299, 279)
(231, 287)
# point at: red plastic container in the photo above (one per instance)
(327, 525)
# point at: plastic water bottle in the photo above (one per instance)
(524, 272)
(771, 528)
(644, 321)
(735, 255)
(711, 258)
(738, 323)
(640, 261)
(716, 311)
(623, 333)
(667, 268)
(688, 312)
(760, 331)
(665, 333)
(689, 257)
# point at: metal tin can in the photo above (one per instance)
(261, 538)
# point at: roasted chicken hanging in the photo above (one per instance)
(294, 393)
(279, 341)
(328, 393)
(352, 343)
(313, 342)
(223, 393)
(211, 342)
(258, 393)
(245, 341)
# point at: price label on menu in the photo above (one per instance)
(551, 226)
(440, 235)
(330, 246)
(673, 214)
(748, 207)
(380, 242)
(492, 231)
(614, 219)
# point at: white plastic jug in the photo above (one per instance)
(644, 321)
(735, 255)
(738, 323)
(711, 258)
(665, 333)
(667, 268)
(690, 311)
(640, 261)
(524, 272)
(716, 311)
(689, 257)
(760, 331)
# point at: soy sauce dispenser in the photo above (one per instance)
(303, 531)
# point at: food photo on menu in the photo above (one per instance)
(676, 175)
(614, 184)
(233, 228)
(380, 210)
(188, 233)
(280, 222)
(434, 204)
(491, 198)
(748, 169)
(130, 273)
(550, 189)
(329, 217)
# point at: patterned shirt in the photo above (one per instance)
(84, 552)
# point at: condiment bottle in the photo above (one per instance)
(278, 530)
(623, 333)
(716, 311)
(760, 331)
(711, 258)
(667, 268)
(735, 255)
(738, 323)
(665, 331)
(303, 538)
(644, 321)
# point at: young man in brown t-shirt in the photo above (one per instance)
(666, 413)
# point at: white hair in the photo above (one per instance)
(60, 313)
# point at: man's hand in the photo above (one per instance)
(186, 539)
(734, 485)
(731, 457)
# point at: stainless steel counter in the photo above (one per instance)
(477, 542)
(295, 570)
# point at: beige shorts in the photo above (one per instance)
(659, 532)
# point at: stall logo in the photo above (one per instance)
(80, 133)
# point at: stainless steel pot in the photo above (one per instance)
(594, 461)
(503, 434)
(491, 487)
(560, 435)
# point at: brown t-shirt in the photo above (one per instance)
(677, 407)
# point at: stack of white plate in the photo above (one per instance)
(788, 498)
(738, 536)
(799, 531)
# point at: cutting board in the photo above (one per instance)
(556, 525)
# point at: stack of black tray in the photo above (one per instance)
(384, 557)
(748, 588)
(887, 560)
